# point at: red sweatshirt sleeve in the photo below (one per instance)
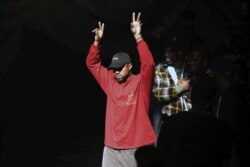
(147, 65)
(93, 62)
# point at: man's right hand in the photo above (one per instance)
(184, 83)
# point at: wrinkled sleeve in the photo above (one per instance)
(93, 63)
(147, 65)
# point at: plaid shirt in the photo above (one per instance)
(164, 90)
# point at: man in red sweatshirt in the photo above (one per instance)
(127, 124)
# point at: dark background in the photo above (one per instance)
(52, 110)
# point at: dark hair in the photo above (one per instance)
(202, 49)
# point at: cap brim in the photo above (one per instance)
(112, 66)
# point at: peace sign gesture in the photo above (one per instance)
(98, 32)
(135, 26)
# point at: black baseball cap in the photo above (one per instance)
(119, 60)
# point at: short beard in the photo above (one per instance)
(121, 80)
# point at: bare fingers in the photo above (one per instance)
(101, 25)
(95, 30)
(138, 17)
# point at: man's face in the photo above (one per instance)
(169, 56)
(195, 62)
(121, 74)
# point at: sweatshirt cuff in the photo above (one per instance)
(96, 47)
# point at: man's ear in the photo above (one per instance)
(130, 66)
